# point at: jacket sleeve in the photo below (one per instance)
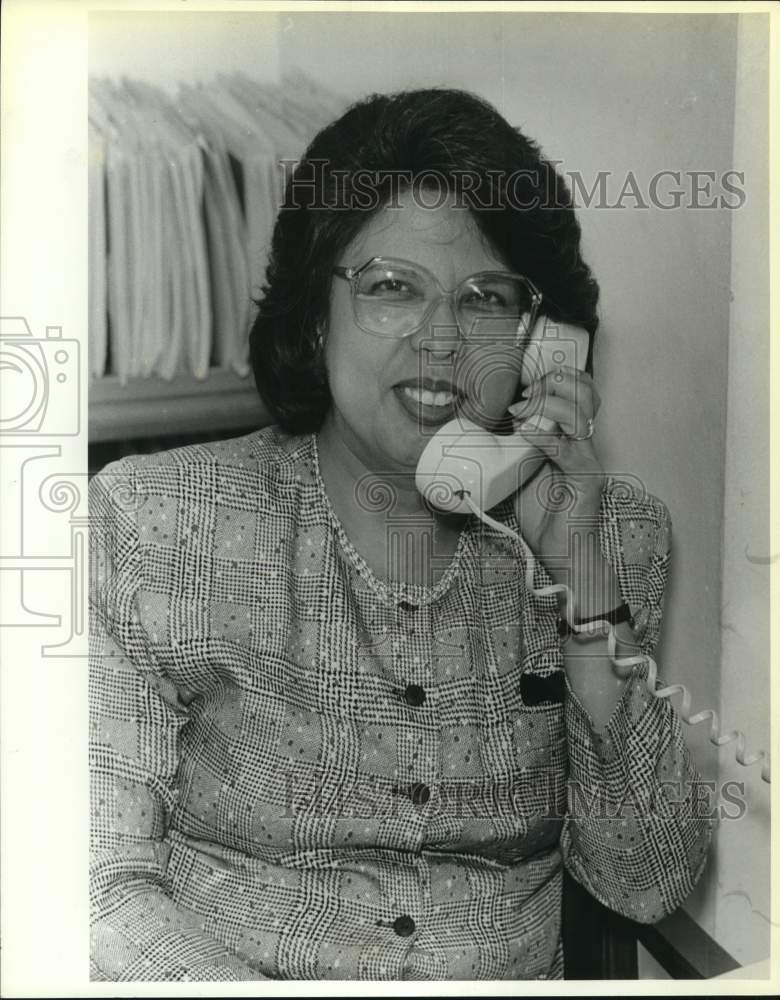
(637, 830)
(138, 932)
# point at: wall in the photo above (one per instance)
(635, 93)
(743, 890)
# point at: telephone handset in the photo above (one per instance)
(466, 469)
(463, 459)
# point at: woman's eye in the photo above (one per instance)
(484, 299)
(391, 288)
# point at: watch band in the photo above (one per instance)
(622, 613)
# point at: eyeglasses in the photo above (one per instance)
(394, 298)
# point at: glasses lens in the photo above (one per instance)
(494, 306)
(391, 299)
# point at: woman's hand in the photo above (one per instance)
(567, 491)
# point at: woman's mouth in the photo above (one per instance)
(430, 398)
(428, 406)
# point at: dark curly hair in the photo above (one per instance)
(349, 172)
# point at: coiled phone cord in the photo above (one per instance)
(716, 737)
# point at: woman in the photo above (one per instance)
(338, 733)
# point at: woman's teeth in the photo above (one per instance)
(428, 398)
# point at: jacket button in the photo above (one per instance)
(419, 794)
(403, 926)
(414, 695)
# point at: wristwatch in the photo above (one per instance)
(622, 613)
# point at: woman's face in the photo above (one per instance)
(380, 408)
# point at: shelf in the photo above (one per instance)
(152, 407)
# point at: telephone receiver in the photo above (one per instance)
(464, 458)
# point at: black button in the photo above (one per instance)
(419, 794)
(403, 926)
(407, 606)
(414, 695)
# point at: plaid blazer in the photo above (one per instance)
(300, 771)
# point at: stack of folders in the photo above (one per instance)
(183, 195)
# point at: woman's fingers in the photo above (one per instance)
(569, 402)
(562, 419)
(563, 406)
(568, 383)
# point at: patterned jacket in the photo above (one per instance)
(300, 771)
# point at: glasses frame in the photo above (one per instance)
(352, 275)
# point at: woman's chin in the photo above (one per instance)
(398, 448)
(405, 453)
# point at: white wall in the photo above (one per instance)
(639, 93)
(743, 889)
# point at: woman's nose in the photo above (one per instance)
(440, 333)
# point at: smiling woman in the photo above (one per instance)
(336, 732)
